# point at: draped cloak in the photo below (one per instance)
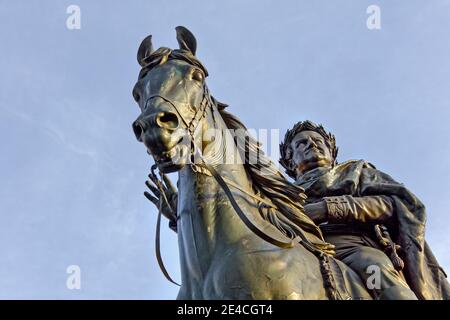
(359, 178)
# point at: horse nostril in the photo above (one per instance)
(138, 129)
(167, 120)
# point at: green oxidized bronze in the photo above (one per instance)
(242, 228)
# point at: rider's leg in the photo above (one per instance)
(369, 262)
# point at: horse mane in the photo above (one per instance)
(288, 198)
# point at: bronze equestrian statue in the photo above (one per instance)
(242, 232)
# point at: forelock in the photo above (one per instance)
(163, 54)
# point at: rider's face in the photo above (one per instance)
(309, 151)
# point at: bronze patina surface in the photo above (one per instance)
(244, 231)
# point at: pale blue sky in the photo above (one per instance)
(72, 173)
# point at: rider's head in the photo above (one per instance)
(305, 147)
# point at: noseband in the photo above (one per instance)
(199, 114)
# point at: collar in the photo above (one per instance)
(312, 175)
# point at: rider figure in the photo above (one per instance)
(360, 210)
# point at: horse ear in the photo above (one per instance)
(145, 49)
(186, 39)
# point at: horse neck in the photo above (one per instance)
(208, 224)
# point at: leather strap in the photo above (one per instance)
(158, 231)
(241, 214)
(158, 250)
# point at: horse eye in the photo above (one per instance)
(197, 75)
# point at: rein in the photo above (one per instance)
(158, 228)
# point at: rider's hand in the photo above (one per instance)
(318, 211)
(169, 210)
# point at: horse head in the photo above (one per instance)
(170, 92)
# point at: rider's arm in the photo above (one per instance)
(348, 209)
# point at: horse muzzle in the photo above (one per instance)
(160, 132)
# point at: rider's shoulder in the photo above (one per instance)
(355, 162)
